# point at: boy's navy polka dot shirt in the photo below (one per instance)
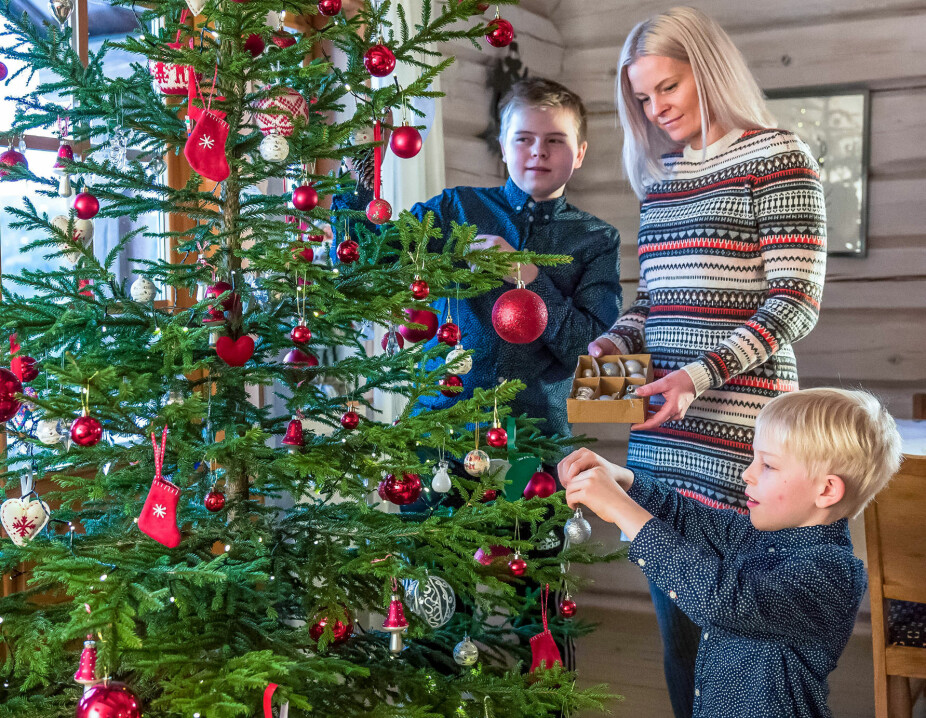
(776, 608)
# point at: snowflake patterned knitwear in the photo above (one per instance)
(732, 250)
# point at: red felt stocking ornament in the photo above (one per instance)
(159, 516)
(205, 147)
(544, 651)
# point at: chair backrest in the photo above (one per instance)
(895, 531)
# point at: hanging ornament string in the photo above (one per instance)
(201, 248)
(377, 158)
(159, 454)
(545, 596)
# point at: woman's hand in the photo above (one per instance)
(602, 347)
(678, 390)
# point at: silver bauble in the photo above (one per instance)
(50, 431)
(633, 366)
(577, 529)
(432, 599)
(611, 368)
(458, 361)
(142, 290)
(274, 148)
(61, 10)
(466, 653)
(441, 481)
(476, 462)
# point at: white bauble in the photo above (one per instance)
(476, 462)
(143, 290)
(466, 653)
(441, 481)
(458, 361)
(50, 431)
(274, 148)
(432, 599)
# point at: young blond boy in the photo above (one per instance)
(776, 593)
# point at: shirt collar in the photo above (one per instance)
(804, 536)
(520, 201)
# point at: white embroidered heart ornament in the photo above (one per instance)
(196, 6)
(23, 520)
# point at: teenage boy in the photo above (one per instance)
(543, 141)
(775, 593)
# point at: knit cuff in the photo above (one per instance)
(700, 376)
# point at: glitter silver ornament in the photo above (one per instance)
(458, 361)
(433, 599)
(577, 529)
(611, 368)
(441, 481)
(50, 431)
(466, 653)
(142, 290)
(274, 148)
(476, 462)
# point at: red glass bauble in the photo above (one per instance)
(420, 289)
(379, 60)
(301, 334)
(283, 39)
(254, 44)
(317, 238)
(500, 33)
(86, 205)
(340, 631)
(453, 384)
(350, 419)
(379, 211)
(86, 431)
(497, 437)
(348, 251)
(3, 72)
(301, 250)
(305, 197)
(108, 700)
(517, 566)
(541, 484)
(398, 340)
(405, 142)
(10, 386)
(567, 608)
(297, 357)
(11, 158)
(489, 495)
(29, 368)
(519, 316)
(215, 501)
(419, 316)
(218, 289)
(329, 7)
(400, 491)
(449, 333)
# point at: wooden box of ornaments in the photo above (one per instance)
(603, 389)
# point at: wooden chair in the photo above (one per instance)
(895, 530)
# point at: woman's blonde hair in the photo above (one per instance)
(727, 91)
(837, 431)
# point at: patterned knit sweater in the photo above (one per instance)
(732, 251)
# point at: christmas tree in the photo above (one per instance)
(178, 539)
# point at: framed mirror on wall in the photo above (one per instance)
(834, 122)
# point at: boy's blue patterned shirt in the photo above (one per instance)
(776, 608)
(583, 297)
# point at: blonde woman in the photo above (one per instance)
(732, 259)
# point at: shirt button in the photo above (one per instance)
(530, 204)
(641, 562)
(518, 209)
(771, 549)
(697, 693)
(531, 218)
(706, 635)
(673, 595)
(546, 216)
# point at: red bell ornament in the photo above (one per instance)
(294, 434)
(379, 211)
(541, 484)
(348, 251)
(398, 340)
(301, 334)
(110, 699)
(519, 316)
(86, 431)
(419, 288)
(329, 8)
(86, 205)
(395, 624)
(215, 501)
(283, 39)
(400, 491)
(497, 437)
(350, 419)
(450, 334)
(86, 669)
(379, 60)
(11, 158)
(419, 316)
(405, 142)
(500, 33)
(305, 198)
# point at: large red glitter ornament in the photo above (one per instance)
(500, 33)
(519, 316)
(110, 699)
(329, 7)
(305, 197)
(449, 333)
(86, 205)
(453, 385)
(405, 142)
(379, 211)
(419, 316)
(400, 491)
(86, 431)
(379, 60)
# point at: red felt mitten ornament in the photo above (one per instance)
(544, 652)
(205, 147)
(159, 515)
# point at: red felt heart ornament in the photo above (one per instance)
(235, 352)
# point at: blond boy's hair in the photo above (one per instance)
(539, 92)
(836, 431)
